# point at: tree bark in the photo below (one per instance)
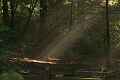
(71, 14)
(43, 11)
(13, 36)
(107, 41)
(5, 13)
(12, 14)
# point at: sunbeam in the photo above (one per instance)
(56, 49)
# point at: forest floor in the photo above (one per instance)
(47, 77)
(60, 78)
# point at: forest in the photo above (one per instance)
(77, 32)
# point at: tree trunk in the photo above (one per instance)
(71, 14)
(29, 17)
(13, 36)
(12, 14)
(43, 10)
(5, 13)
(107, 41)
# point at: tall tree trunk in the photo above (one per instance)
(107, 41)
(71, 14)
(13, 29)
(5, 13)
(12, 14)
(43, 11)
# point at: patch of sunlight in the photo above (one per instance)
(28, 6)
(36, 9)
(113, 2)
(66, 2)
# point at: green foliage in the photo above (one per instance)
(3, 46)
(3, 28)
(11, 75)
(3, 56)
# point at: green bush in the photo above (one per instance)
(11, 75)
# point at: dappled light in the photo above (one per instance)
(113, 2)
